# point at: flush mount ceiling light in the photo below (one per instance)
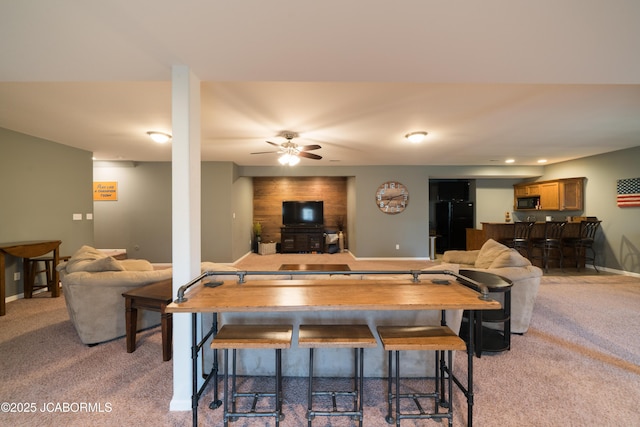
(159, 137)
(416, 137)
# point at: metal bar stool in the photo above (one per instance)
(237, 337)
(438, 338)
(356, 337)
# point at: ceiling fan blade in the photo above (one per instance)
(273, 143)
(265, 152)
(309, 147)
(309, 155)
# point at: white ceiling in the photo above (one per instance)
(488, 80)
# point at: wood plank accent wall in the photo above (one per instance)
(270, 192)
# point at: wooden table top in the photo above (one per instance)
(159, 291)
(315, 267)
(330, 295)
(29, 249)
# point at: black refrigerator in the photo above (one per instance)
(452, 221)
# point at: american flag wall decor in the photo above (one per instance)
(628, 192)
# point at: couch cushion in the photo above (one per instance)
(510, 258)
(489, 252)
(460, 257)
(136, 265)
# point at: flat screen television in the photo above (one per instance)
(310, 213)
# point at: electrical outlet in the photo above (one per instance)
(16, 276)
(397, 246)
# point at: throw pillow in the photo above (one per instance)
(101, 264)
(488, 252)
(82, 256)
(510, 258)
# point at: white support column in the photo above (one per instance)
(186, 248)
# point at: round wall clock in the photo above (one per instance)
(392, 197)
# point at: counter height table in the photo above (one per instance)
(326, 294)
(26, 250)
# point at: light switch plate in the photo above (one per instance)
(77, 217)
(89, 216)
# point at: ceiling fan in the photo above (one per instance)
(291, 152)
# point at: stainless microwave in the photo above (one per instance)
(528, 202)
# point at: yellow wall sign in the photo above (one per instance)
(105, 190)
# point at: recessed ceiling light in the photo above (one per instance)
(542, 161)
(159, 137)
(416, 137)
(510, 161)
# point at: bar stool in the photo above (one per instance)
(237, 337)
(32, 272)
(520, 240)
(584, 241)
(550, 244)
(356, 337)
(439, 338)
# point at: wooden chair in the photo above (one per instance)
(237, 337)
(584, 241)
(550, 247)
(356, 337)
(441, 339)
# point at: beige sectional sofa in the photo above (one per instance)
(498, 259)
(92, 285)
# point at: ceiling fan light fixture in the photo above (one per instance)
(416, 137)
(289, 159)
(159, 137)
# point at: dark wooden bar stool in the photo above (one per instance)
(237, 337)
(357, 337)
(550, 247)
(441, 339)
(520, 240)
(579, 245)
(32, 272)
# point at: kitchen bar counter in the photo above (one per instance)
(504, 230)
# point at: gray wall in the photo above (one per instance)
(43, 185)
(140, 220)
(619, 240)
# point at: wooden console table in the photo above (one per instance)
(155, 297)
(302, 239)
(26, 250)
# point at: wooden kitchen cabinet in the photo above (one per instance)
(549, 196)
(571, 198)
(555, 195)
(526, 190)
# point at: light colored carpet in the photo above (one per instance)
(579, 365)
